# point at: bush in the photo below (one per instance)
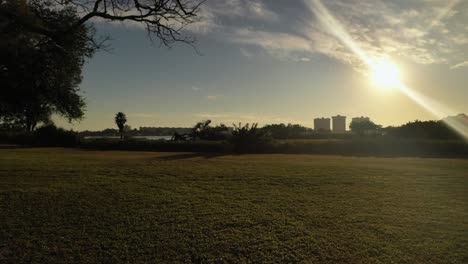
(202, 130)
(16, 137)
(53, 136)
(250, 138)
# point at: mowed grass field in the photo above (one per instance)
(74, 206)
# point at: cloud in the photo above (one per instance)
(246, 53)
(424, 32)
(195, 88)
(460, 65)
(213, 97)
(206, 22)
(303, 59)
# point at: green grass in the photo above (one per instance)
(63, 206)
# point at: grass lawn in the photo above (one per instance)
(64, 206)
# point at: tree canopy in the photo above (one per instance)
(282, 131)
(45, 44)
(120, 120)
(423, 129)
(364, 127)
(163, 19)
(38, 76)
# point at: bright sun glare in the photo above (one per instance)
(386, 75)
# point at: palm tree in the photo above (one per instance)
(120, 120)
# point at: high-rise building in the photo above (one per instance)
(322, 124)
(339, 124)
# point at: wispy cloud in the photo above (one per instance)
(425, 32)
(214, 97)
(460, 65)
(195, 88)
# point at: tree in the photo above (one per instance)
(44, 44)
(200, 128)
(121, 120)
(363, 127)
(164, 19)
(423, 129)
(203, 130)
(282, 131)
(249, 137)
(39, 77)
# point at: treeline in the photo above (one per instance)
(423, 130)
(242, 137)
(142, 131)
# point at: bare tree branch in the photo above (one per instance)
(163, 19)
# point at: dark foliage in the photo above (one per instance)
(289, 131)
(203, 130)
(40, 75)
(44, 44)
(423, 130)
(364, 127)
(53, 136)
(248, 138)
(46, 136)
(120, 120)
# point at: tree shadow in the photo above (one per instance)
(182, 156)
(9, 146)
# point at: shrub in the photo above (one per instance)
(250, 138)
(202, 130)
(53, 136)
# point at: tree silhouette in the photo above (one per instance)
(163, 19)
(38, 77)
(120, 120)
(363, 127)
(423, 129)
(282, 131)
(249, 137)
(44, 44)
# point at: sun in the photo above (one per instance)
(385, 74)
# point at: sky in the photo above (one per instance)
(276, 61)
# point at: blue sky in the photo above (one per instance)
(278, 61)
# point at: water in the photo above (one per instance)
(137, 137)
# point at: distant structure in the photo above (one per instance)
(360, 119)
(322, 124)
(339, 124)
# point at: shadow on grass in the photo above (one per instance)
(182, 156)
(10, 146)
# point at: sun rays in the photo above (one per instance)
(384, 73)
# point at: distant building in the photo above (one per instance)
(360, 119)
(322, 124)
(339, 124)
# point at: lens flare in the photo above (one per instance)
(387, 74)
